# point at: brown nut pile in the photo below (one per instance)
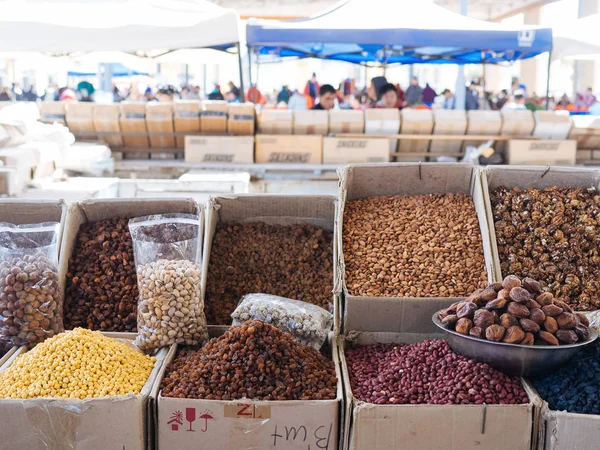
(294, 261)
(427, 373)
(101, 286)
(30, 301)
(254, 360)
(516, 312)
(413, 246)
(551, 235)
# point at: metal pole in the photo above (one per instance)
(461, 94)
(548, 81)
(187, 75)
(249, 65)
(204, 80)
(242, 93)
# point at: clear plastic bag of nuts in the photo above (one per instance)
(30, 293)
(309, 323)
(166, 249)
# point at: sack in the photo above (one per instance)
(166, 249)
(310, 324)
(31, 298)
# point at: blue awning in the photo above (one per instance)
(119, 70)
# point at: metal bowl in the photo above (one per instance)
(514, 359)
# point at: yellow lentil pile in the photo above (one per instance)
(77, 364)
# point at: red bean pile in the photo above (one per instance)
(427, 373)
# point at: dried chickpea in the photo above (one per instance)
(77, 364)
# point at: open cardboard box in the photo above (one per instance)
(106, 119)
(311, 122)
(159, 119)
(366, 180)
(482, 123)
(247, 424)
(275, 121)
(586, 131)
(346, 121)
(517, 123)
(415, 121)
(186, 118)
(101, 423)
(242, 118)
(448, 122)
(316, 210)
(431, 427)
(552, 125)
(80, 117)
(289, 149)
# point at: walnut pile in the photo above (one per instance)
(551, 235)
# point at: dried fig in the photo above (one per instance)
(537, 315)
(547, 338)
(552, 310)
(529, 326)
(567, 336)
(583, 332)
(476, 332)
(533, 286)
(519, 295)
(504, 294)
(443, 313)
(545, 299)
(488, 294)
(518, 310)
(495, 333)
(528, 339)
(507, 320)
(532, 304)
(567, 321)
(550, 325)
(453, 307)
(496, 304)
(449, 320)
(483, 318)
(475, 297)
(583, 319)
(513, 335)
(464, 325)
(510, 282)
(563, 305)
(467, 309)
(495, 286)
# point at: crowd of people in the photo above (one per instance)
(380, 93)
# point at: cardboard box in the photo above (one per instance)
(415, 121)
(133, 120)
(24, 211)
(247, 424)
(110, 422)
(106, 119)
(517, 123)
(23, 160)
(346, 121)
(213, 117)
(524, 177)
(483, 123)
(533, 152)
(159, 119)
(80, 117)
(355, 150)
(363, 313)
(275, 121)
(53, 112)
(583, 156)
(586, 131)
(289, 149)
(186, 119)
(219, 149)
(383, 121)
(4, 358)
(448, 122)
(431, 427)
(595, 154)
(8, 181)
(316, 210)
(242, 119)
(552, 125)
(311, 122)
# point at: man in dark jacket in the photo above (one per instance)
(327, 94)
(414, 92)
(471, 98)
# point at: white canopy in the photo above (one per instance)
(578, 39)
(65, 26)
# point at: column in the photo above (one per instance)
(530, 67)
(584, 75)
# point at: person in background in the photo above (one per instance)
(216, 93)
(446, 100)
(29, 95)
(428, 95)
(311, 90)
(502, 99)
(231, 98)
(588, 98)
(373, 92)
(327, 95)
(517, 103)
(68, 95)
(284, 95)
(564, 104)
(233, 88)
(472, 97)
(389, 96)
(401, 96)
(414, 92)
(166, 94)
(116, 95)
(297, 101)
(5, 95)
(255, 96)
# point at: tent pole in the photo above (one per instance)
(249, 67)
(242, 93)
(548, 81)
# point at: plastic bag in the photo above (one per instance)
(30, 293)
(166, 249)
(310, 324)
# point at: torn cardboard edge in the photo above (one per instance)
(155, 396)
(316, 210)
(483, 415)
(367, 180)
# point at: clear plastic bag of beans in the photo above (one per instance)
(30, 293)
(310, 324)
(167, 260)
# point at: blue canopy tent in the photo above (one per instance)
(119, 70)
(401, 32)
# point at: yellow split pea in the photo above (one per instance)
(77, 364)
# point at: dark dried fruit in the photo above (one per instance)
(496, 304)
(566, 321)
(495, 286)
(510, 282)
(547, 338)
(449, 320)
(533, 286)
(519, 295)
(550, 325)
(552, 310)
(529, 339)
(567, 336)
(504, 294)
(582, 332)
(507, 320)
(583, 319)
(529, 326)
(563, 305)
(537, 315)
(495, 333)
(488, 294)
(467, 309)
(483, 318)
(518, 310)
(513, 335)
(476, 332)
(532, 304)
(464, 325)
(545, 299)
